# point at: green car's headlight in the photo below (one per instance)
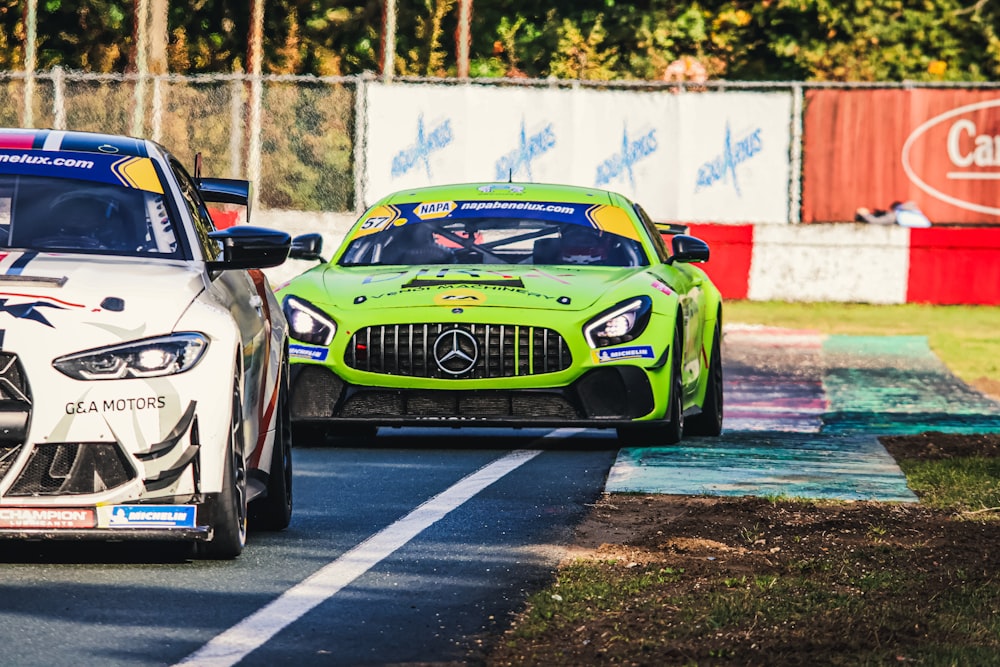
(307, 323)
(619, 324)
(147, 358)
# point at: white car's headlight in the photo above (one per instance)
(147, 358)
(307, 323)
(619, 324)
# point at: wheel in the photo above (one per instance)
(229, 518)
(670, 430)
(274, 510)
(709, 422)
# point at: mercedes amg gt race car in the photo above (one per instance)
(143, 356)
(506, 304)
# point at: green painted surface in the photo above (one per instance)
(896, 385)
(796, 465)
(873, 385)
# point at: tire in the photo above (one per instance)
(229, 518)
(709, 422)
(669, 430)
(274, 510)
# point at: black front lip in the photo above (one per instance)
(601, 398)
(198, 533)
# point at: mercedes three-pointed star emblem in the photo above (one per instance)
(456, 351)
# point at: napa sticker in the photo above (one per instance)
(618, 353)
(460, 297)
(434, 209)
(308, 352)
(152, 516)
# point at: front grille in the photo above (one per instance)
(13, 385)
(447, 405)
(314, 392)
(8, 453)
(55, 469)
(499, 350)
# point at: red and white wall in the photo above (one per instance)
(851, 262)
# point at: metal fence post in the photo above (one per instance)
(236, 128)
(256, 132)
(58, 98)
(360, 141)
(795, 168)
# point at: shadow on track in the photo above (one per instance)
(464, 438)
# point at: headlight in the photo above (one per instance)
(307, 323)
(148, 358)
(619, 324)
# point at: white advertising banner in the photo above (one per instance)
(734, 157)
(712, 157)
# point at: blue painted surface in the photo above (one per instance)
(785, 439)
(797, 465)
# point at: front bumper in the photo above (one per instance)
(602, 397)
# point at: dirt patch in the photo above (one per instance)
(758, 581)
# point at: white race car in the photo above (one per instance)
(143, 357)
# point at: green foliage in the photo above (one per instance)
(798, 40)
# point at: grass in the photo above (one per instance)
(966, 338)
(870, 594)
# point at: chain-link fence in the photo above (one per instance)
(294, 137)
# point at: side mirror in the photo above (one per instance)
(307, 246)
(246, 247)
(687, 249)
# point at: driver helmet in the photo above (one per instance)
(584, 245)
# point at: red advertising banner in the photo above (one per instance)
(937, 147)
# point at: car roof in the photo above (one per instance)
(65, 140)
(491, 191)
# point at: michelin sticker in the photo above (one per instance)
(307, 352)
(152, 516)
(619, 353)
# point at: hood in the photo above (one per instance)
(65, 303)
(505, 286)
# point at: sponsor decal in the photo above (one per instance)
(434, 209)
(152, 516)
(964, 147)
(519, 207)
(530, 147)
(622, 164)
(428, 142)
(501, 187)
(735, 151)
(117, 405)
(618, 353)
(30, 307)
(460, 297)
(129, 172)
(661, 287)
(49, 517)
(308, 352)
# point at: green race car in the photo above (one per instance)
(506, 304)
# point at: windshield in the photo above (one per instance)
(490, 240)
(102, 204)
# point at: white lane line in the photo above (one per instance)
(252, 632)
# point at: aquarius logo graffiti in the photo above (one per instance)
(427, 143)
(734, 153)
(518, 161)
(622, 164)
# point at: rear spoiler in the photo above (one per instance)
(225, 191)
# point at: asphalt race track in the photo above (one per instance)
(415, 547)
